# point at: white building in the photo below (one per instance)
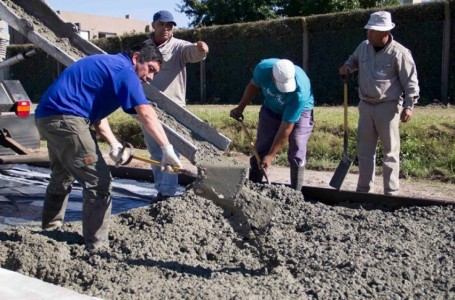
(95, 26)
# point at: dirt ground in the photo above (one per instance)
(408, 187)
(423, 189)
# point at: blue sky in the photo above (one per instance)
(137, 9)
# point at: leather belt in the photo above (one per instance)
(375, 101)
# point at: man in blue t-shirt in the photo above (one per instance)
(286, 114)
(81, 97)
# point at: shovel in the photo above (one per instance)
(221, 180)
(218, 179)
(253, 149)
(345, 163)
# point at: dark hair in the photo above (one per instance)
(147, 52)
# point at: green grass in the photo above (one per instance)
(427, 142)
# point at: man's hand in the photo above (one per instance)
(202, 47)
(406, 115)
(237, 113)
(266, 162)
(344, 70)
(117, 154)
(170, 159)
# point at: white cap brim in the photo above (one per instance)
(286, 87)
(380, 28)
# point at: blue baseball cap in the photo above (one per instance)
(164, 16)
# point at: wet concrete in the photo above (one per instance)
(205, 150)
(189, 248)
(222, 180)
(62, 43)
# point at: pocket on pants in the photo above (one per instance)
(84, 159)
(87, 150)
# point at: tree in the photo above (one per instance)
(293, 8)
(219, 12)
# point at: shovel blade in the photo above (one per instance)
(340, 172)
(220, 180)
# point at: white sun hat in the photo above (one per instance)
(284, 74)
(380, 21)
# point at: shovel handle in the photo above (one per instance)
(347, 76)
(157, 163)
(345, 117)
(250, 141)
(253, 149)
(129, 147)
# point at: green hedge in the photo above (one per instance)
(235, 50)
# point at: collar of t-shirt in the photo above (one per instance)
(160, 44)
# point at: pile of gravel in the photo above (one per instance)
(190, 248)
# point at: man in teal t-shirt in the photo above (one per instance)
(286, 114)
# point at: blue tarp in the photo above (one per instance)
(22, 191)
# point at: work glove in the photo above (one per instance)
(170, 159)
(117, 155)
(236, 113)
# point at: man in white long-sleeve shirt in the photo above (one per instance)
(388, 90)
(172, 82)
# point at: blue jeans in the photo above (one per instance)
(165, 183)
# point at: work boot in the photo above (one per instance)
(54, 211)
(255, 175)
(96, 211)
(160, 197)
(297, 177)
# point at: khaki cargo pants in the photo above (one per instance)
(74, 155)
(381, 121)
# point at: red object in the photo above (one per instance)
(23, 108)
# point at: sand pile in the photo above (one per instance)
(189, 248)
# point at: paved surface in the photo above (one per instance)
(15, 286)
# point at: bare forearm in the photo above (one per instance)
(280, 138)
(104, 130)
(249, 94)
